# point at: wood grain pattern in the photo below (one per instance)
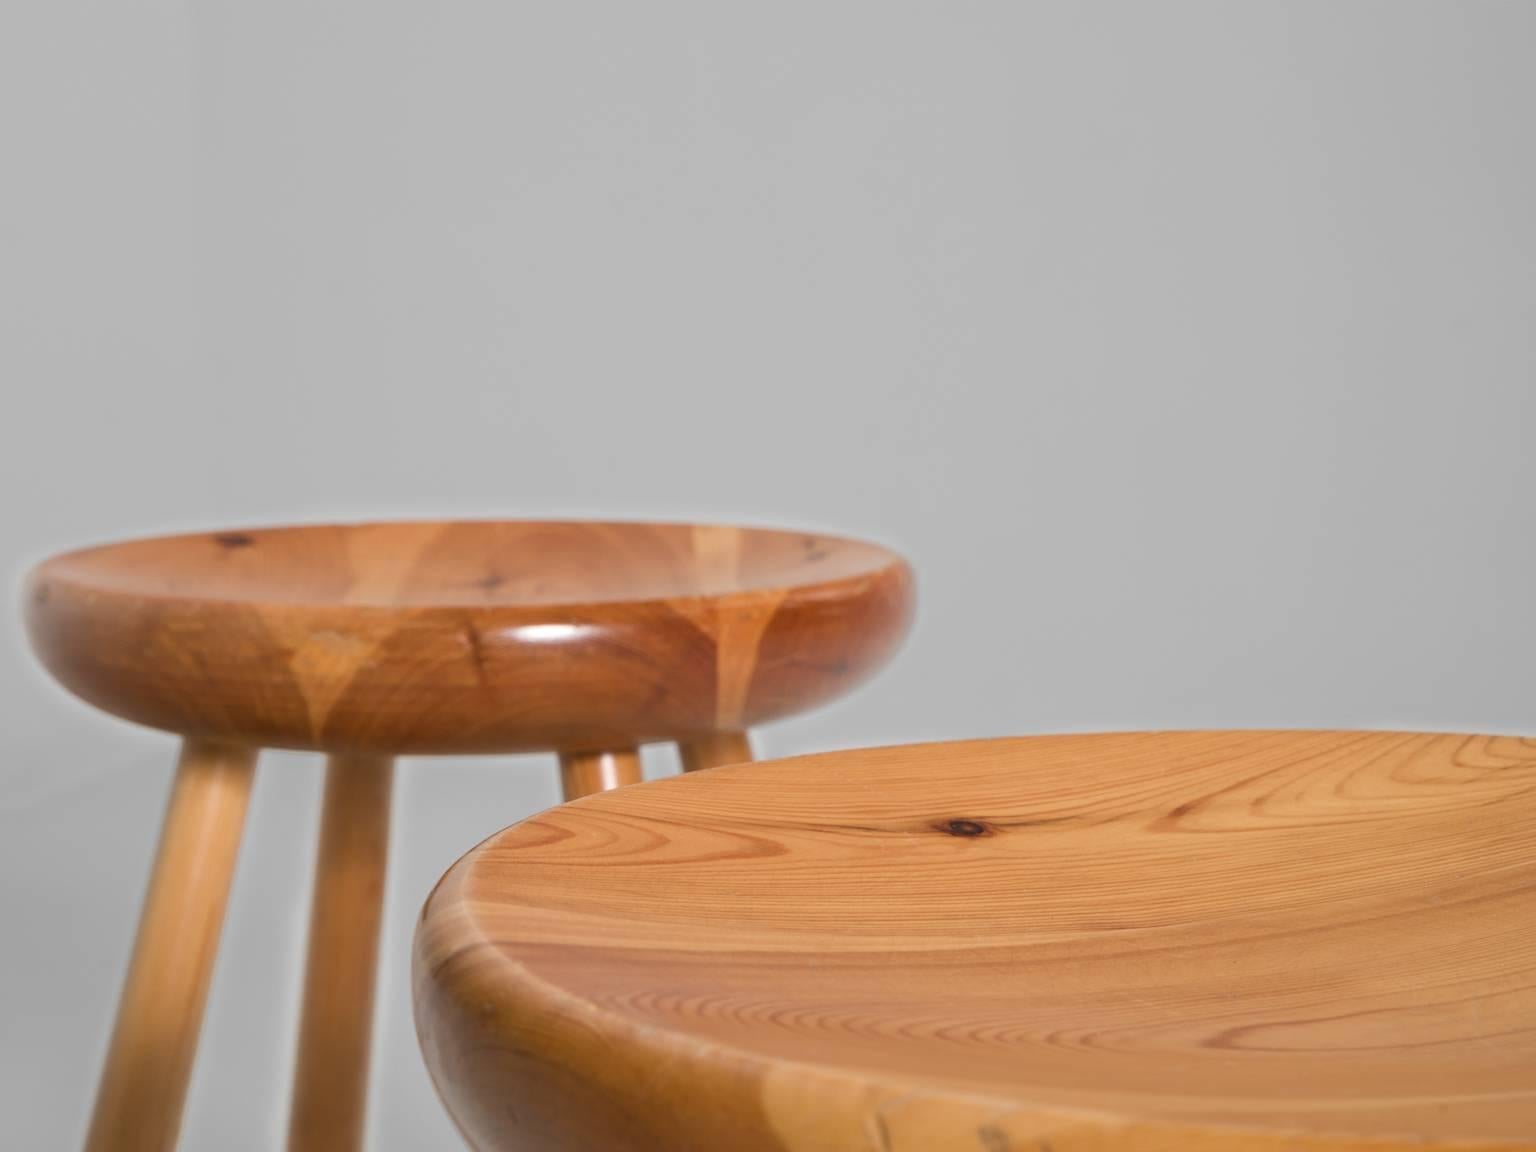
(330, 1083)
(149, 1060)
(1265, 941)
(583, 773)
(368, 641)
(463, 637)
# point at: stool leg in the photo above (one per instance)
(144, 1082)
(330, 1082)
(582, 773)
(714, 750)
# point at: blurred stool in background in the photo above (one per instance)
(370, 641)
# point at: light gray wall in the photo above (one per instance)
(1186, 347)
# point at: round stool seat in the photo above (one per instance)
(473, 636)
(1159, 941)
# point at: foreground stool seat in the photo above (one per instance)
(1201, 941)
(369, 641)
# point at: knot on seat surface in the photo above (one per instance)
(1254, 941)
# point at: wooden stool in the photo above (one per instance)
(366, 642)
(1202, 941)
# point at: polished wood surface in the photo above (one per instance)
(460, 637)
(583, 773)
(368, 641)
(330, 1084)
(149, 1059)
(714, 750)
(1256, 941)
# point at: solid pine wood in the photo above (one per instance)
(371, 640)
(160, 1013)
(468, 637)
(330, 1083)
(715, 749)
(583, 773)
(1155, 942)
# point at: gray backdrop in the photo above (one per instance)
(1188, 348)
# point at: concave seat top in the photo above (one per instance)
(461, 636)
(469, 564)
(1210, 940)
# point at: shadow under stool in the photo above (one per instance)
(370, 641)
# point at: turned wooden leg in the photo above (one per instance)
(582, 773)
(714, 750)
(330, 1082)
(144, 1083)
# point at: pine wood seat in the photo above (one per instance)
(368, 641)
(468, 637)
(1275, 941)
